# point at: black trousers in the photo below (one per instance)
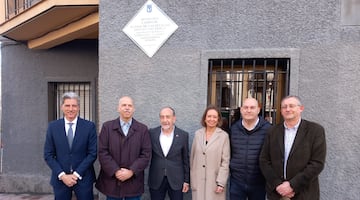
(159, 194)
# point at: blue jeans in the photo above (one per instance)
(242, 191)
(124, 198)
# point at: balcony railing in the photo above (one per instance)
(15, 7)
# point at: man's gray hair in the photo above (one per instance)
(70, 95)
(172, 109)
(293, 96)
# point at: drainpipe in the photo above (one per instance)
(1, 154)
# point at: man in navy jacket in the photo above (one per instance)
(246, 139)
(71, 161)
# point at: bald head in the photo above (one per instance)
(250, 109)
(251, 101)
(126, 108)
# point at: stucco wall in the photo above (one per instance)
(325, 57)
(324, 73)
(25, 108)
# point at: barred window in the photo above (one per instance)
(230, 81)
(83, 89)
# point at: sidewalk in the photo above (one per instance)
(4, 196)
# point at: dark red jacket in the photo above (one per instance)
(119, 151)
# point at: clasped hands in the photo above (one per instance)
(285, 190)
(123, 174)
(69, 179)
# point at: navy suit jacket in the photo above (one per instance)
(80, 158)
(175, 165)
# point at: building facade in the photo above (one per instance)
(222, 52)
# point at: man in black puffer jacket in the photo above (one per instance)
(246, 139)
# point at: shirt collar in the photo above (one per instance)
(171, 134)
(122, 123)
(295, 127)
(256, 123)
(74, 121)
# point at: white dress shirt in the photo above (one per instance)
(166, 141)
(67, 126)
(289, 138)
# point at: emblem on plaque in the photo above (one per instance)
(149, 8)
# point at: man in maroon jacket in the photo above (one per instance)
(124, 153)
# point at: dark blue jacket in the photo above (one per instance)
(79, 158)
(245, 150)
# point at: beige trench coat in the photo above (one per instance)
(209, 165)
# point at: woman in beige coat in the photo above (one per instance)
(209, 159)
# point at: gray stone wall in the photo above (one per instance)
(323, 70)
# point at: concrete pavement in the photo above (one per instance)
(5, 196)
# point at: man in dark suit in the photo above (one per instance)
(70, 150)
(293, 155)
(169, 169)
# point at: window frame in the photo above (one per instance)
(230, 81)
(84, 89)
(292, 53)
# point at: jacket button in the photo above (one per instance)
(203, 165)
(203, 153)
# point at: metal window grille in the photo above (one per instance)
(233, 80)
(83, 89)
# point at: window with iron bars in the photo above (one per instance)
(230, 81)
(83, 89)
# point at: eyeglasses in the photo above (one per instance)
(291, 106)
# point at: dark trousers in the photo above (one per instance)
(242, 191)
(159, 194)
(124, 198)
(82, 192)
